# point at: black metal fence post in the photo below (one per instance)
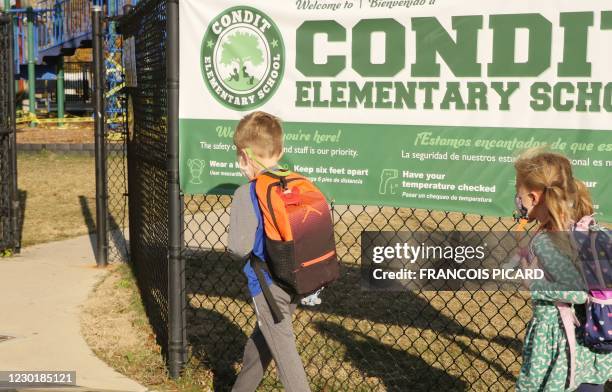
(100, 153)
(13, 147)
(9, 196)
(175, 263)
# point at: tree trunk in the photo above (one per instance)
(241, 62)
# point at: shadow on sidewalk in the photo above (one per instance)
(115, 232)
(23, 198)
(89, 221)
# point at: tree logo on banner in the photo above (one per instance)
(242, 58)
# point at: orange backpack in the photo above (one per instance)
(300, 250)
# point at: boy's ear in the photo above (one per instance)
(242, 154)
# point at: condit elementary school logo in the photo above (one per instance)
(242, 58)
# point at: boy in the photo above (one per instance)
(259, 146)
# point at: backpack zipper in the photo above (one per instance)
(318, 259)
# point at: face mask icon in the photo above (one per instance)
(196, 168)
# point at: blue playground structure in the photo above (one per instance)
(48, 31)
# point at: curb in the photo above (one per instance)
(63, 148)
(57, 389)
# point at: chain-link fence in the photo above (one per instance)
(116, 144)
(145, 29)
(352, 341)
(9, 233)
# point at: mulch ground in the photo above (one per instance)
(73, 133)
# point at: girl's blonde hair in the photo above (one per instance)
(565, 197)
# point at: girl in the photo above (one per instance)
(548, 193)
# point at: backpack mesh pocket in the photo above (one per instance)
(281, 261)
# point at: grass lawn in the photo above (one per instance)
(58, 196)
(118, 332)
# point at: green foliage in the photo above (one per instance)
(240, 48)
(8, 252)
(124, 284)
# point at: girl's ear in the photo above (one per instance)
(536, 197)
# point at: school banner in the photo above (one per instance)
(417, 103)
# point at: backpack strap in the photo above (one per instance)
(570, 322)
(267, 196)
(269, 199)
(588, 226)
(259, 266)
(600, 301)
(595, 253)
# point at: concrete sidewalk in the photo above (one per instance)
(41, 292)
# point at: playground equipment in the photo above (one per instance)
(49, 31)
(45, 33)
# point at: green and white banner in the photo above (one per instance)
(417, 103)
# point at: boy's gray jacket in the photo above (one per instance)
(243, 223)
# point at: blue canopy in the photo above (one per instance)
(43, 72)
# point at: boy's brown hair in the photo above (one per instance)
(261, 132)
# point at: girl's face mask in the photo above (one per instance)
(521, 211)
(526, 211)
